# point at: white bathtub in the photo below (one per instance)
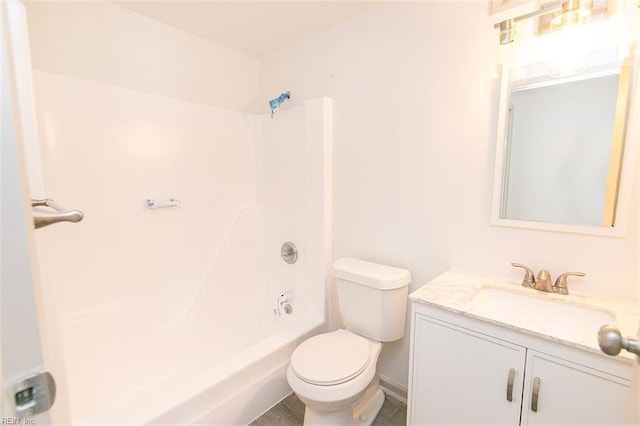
(120, 376)
(235, 391)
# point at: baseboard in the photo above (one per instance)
(393, 389)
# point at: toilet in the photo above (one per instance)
(334, 374)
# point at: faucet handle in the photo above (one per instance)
(529, 276)
(560, 286)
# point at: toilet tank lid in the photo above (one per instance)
(375, 275)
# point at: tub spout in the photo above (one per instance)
(282, 304)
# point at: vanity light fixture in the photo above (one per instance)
(567, 12)
(573, 12)
(507, 30)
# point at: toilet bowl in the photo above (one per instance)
(334, 374)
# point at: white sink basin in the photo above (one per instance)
(541, 312)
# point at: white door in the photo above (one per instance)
(29, 355)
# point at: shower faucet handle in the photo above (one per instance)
(529, 279)
(289, 252)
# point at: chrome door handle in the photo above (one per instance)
(59, 214)
(535, 393)
(611, 341)
(510, 380)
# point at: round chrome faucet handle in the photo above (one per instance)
(529, 276)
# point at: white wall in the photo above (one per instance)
(106, 43)
(414, 135)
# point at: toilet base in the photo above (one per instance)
(361, 414)
(366, 411)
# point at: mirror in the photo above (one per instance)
(559, 158)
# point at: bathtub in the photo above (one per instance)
(241, 388)
(167, 380)
(220, 359)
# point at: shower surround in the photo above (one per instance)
(167, 314)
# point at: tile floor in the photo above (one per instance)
(290, 412)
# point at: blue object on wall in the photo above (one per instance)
(274, 104)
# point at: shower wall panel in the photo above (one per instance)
(106, 150)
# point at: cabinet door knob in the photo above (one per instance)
(534, 394)
(510, 380)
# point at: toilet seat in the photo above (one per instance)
(331, 358)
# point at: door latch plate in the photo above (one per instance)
(34, 394)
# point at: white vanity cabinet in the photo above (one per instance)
(465, 371)
(460, 377)
(572, 394)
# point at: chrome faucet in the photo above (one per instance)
(542, 281)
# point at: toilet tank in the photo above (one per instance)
(372, 298)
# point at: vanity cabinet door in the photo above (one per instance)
(571, 394)
(461, 377)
